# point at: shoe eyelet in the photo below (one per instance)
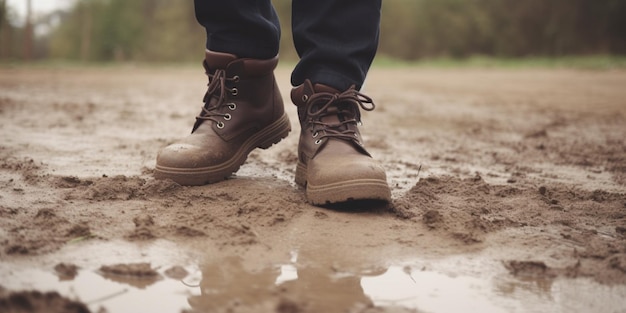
(315, 134)
(227, 116)
(356, 135)
(234, 92)
(232, 106)
(305, 98)
(359, 123)
(220, 125)
(317, 142)
(236, 78)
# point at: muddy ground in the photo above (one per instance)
(512, 177)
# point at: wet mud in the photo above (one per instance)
(509, 194)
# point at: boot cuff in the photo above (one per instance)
(251, 67)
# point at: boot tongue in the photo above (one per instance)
(332, 118)
(324, 88)
(218, 60)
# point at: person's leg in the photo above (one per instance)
(243, 108)
(336, 40)
(245, 28)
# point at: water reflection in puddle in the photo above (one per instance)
(435, 292)
(432, 291)
(304, 286)
(165, 295)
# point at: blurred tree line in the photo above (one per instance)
(166, 30)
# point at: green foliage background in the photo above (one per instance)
(166, 30)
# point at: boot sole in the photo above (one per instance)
(349, 190)
(263, 139)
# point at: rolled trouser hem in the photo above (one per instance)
(328, 78)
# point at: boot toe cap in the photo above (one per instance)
(339, 180)
(183, 155)
(324, 172)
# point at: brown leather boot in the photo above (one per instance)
(333, 165)
(243, 110)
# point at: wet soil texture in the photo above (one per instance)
(509, 195)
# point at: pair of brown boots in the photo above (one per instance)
(244, 110)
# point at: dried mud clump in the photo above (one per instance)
(115, 188)
(286, 305)
(66, 271)
(139, 275)
(110, 188)
(24, 248)
(189, 232)
(43, 231)
(24, 165)
(137, 270)
(69, 182)
(143, 228)
(618, 262)
(432, 218)
(468, 209)
(465, 209)
(176, 272)
(79, 231)
(402, 209)
(39, 302)
(159, 187)
(529, 269)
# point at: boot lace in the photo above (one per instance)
(217, 88)
(345, 106)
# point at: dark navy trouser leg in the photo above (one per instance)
(246, 28)
(335, 39)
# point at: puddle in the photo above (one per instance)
(299, 284)
(436, 292)
(97, 292)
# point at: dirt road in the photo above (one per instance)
(509, 192)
